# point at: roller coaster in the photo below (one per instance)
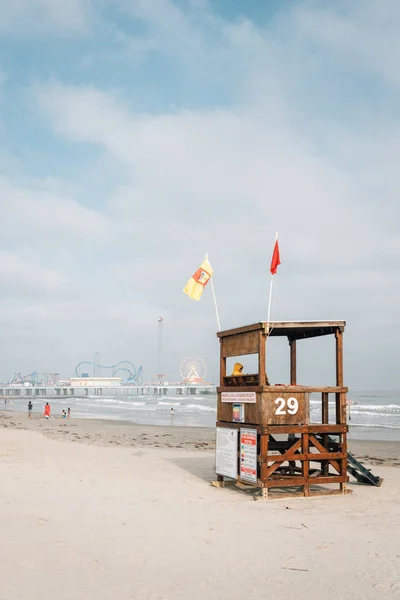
(132, 375)
(35, 378)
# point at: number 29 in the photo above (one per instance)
(291, 406)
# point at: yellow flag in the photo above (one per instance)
(196, 284)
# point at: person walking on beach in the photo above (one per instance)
(30, 406)
(69, 413)
(47, 411)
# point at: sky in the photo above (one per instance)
(138, 135)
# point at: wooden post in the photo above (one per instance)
(325, 421)
(293, 362)
(339, 357)
(343, 462)
(325, 408)
(305, 463)
(261, 358)
(264, 464)
(339, 377)
(222, 364)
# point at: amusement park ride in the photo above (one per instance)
(35, 378)
(193, 371)
(124, 369)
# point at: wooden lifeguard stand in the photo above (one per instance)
(264, 435)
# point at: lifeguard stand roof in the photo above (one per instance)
(294, 330)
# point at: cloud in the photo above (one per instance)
(161, 18)
(224, 181)
(21, 17)
(41, 211)
(359, 35)
(242, 167)
(20, 275)
(288, 124)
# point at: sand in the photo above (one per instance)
(84, 518)
(121, 433)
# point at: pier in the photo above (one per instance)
(8, 391)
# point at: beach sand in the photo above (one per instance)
(101, 432)
(93, 510)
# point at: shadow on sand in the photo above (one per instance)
(202, 467)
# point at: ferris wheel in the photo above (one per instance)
(193, 370)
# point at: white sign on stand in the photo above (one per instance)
(248, 455)
(242, 397)
(226, 458)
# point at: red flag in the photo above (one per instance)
(276, 260)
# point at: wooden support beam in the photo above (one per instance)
(222, 365)
(339, 358)
(310, 456)
(305, 464)
(288, 388)
(344, 462)
(293, 362)
(325, 408)
(264, 457)
(325, 464)
(340, 398)
(282, 481)
(288, 455)
(323, 452)
(261, 358)
(317, 429)
(325, 421)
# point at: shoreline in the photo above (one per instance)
(103, 432)
(106, 432)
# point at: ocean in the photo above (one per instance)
(372, 415)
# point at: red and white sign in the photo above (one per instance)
(239, 397)
(248, 455)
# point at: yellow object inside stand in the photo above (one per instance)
(237, 369)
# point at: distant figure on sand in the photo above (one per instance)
(172, 412)
(30, 406)
(63, 414)
(69, 413)
(47, 411)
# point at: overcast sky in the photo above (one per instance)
(136, 135)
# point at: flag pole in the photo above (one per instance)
(215, 300)
(270, 294)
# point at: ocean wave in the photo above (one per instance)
(374, 425)
(168, 403)
(375, 407)
(201, 407)
(126, 405)
(375, 417)
(109, 399)
(377, 395)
